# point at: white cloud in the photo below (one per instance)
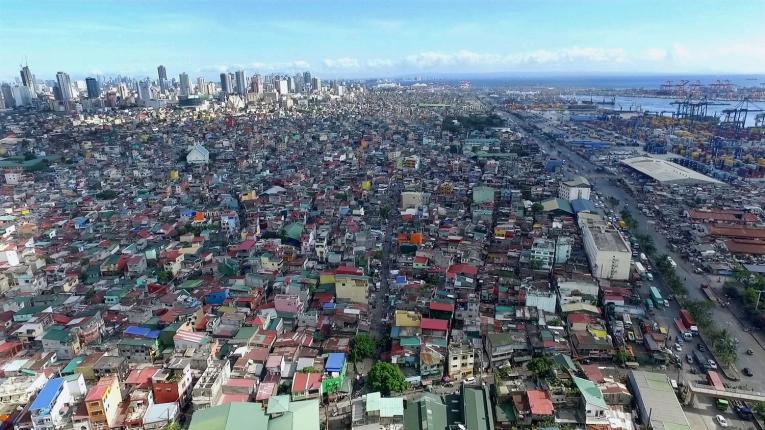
(342, 63)
(656, 54)
(380, 63)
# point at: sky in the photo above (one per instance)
(359, 38)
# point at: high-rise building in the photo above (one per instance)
(10, 101)
(306, 78)
(92, 85)
(256, 84)
(225, 84)
(162, 74)
(316, 84)
(144, 91)
(27, 79)
(280, 85)
(241, 84)
(64, 85)
(298, 82)
(184, 85)
(2, 100)
(201, 86)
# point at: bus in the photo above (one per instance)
(721, 404)
(658, 301)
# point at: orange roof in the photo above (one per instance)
(539, 403)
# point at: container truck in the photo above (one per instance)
(689, 322)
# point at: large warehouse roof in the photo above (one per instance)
(667, 172)
(657, 398)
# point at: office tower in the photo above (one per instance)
(290, 84)
(92, 85)
(184, 84)
(27, 79)
(162, 73)
(2, 100)
(256, 85)
(64, 85)
(316, 84)
(10, 101)
(298, 82)
(144, 91)
(241, 84)
(224, 83)
(307, 78)
(201, 86)
(280, 85)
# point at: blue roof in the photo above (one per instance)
(582, 205)
(144, 332)
(400, 279)
(48, 395)
(335, 362)
(329, 306)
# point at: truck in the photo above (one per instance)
(710, 295)
(643, 257)
(684, 331)
(743, 410)
(689, 322)
(658, 301)
(640, 270)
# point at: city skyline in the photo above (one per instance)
(361, 39)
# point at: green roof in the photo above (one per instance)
(302, 415)
(57, 333)
(410, 341)
(477, 407)
(190, 284)
(278, 404)
(428, 412)
(294, 230)
(245, 333)
(591, 392)
(386, 406)
(232, 416)
(72, 365)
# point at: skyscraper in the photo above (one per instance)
(64, 85)
(144, 91)
(162, 73)
(307, 78)
(241, 84)
(256, 84)
(92, 85)
(27, 79)
(201, 86)
(10, 101)
(185, 86)
(316, 84)
(224, 83)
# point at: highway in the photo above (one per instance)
(722, 316)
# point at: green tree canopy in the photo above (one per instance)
(541, 366)
(362, 346)
(386, 378)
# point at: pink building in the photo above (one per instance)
(288, 303)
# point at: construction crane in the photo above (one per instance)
(690, 109)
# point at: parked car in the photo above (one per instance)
(747, 371)
(721, 420)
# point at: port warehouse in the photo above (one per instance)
(667, 172)
(656, 401)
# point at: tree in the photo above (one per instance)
(284, 389)
(759, 408)
(362, 346)
(701, 312)
(740, 273)
(386, 378)
(164, 277)
(541, 366)
(172, 426)
(621, 357)
(384, 212)
(537, 207)
(536, 264)
(106, 195)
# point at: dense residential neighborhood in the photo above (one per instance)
(359, 257)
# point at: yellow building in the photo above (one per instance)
(354, 288)
(408, 319)
(102, 402)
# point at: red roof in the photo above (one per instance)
(737, 232)
(539, 403)
(306, 381)
(593, 373)
(745, 247)
(434, 324)
(461, 269)
(97, 393)
(439, 306)
(141, 377)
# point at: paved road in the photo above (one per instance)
(693, 281)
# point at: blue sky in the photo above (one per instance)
(357, 38)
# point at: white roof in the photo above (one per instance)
(667, 171)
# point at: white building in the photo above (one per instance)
(609, 254)
(577, 188)
(49, 408)
(198, 155)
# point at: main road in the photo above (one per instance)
(722, 316)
